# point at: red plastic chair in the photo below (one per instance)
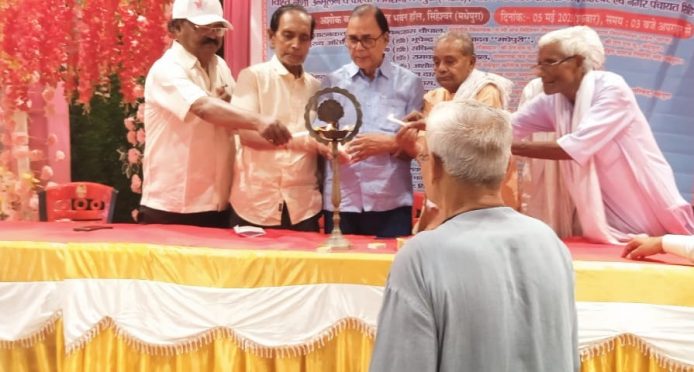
(78, 201)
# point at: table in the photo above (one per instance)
(185, 298)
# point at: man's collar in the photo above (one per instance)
(281, 69)
(352, 69)
(385, 69)
(187, 59)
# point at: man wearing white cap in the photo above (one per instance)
(188, 159)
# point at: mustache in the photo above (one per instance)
(209, 40)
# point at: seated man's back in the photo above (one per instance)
(489, 290)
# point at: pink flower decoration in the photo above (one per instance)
(59, 155)
(132, 138)
(52, 139)
(5, 157)
(19, 139)
(129, 123)
(46, 173)
(9, 127)
(141, 113)
(48, 94)
(141, 136)
(34, 202)
(36, 155)
(19, 188)
(134, 156)
(136, 184)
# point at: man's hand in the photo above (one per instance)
(641, 247)
(274, 132)
(415, 120)
(407, 141)
(413, 116)
(539, 150)
(221, 92)
(327, 152)
(324, 150)
(370, 144)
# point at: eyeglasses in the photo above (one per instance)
(219, 31)
(548, 65)
(367, 42)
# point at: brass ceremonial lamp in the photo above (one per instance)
(331, 111)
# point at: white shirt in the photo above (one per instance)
(679, 245)
(265, 179)
(187, 161)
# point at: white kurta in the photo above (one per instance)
(543, 194)
(611, 135)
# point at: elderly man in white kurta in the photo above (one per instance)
(614, 171)
(454, 67)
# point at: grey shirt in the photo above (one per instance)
(488, 290)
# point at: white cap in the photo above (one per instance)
(199, 12)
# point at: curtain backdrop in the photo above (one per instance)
(237, 44)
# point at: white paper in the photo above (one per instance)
(249, 231)
(391, 117)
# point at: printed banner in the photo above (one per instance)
(648, 42)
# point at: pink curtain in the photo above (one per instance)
(237, 44)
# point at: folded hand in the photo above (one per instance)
(370, 144)
(274, 132)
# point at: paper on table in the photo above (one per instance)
(249, 231)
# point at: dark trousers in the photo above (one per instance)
(309, 224)
(203, 219)
(386, 224)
